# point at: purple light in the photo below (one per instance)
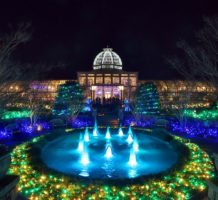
(82, 121)
(195, 128)
(5, 134)
(141, 122)
(26, 127)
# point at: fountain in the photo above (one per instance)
(108, 135)
(108, 154)
(81, 143)
(120, 132)
(132, 158)
(130, 130)
(129, 138)
(95, 130)
(135, 144)
(86, 135)
(105, 157)
(85, 156)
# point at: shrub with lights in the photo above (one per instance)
(88, 106)
(202, 114)
(147, 100)
(68, 101)
(195, 128)
(181, 184)
(83, 121)
(27, 128)
(15, 114)
(129, 120)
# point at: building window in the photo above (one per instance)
(124, 80)
(82, 80)
(99, 80)
(132, 81)
(107, 80)
(116, 80)
(91, 80)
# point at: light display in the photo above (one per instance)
(16, 114)
(147, 100)
(129, 120)
(26, 127)
(203, 115)
(127, 106)
(83, 121)
(195, 128)
(180, 184)
(4, 134)
(87, 106)
(69, 100)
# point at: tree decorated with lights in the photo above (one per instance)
(147, 100)
(68, 101)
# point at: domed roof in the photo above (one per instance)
(107, 59)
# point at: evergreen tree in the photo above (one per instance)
(147, 100)
(69, 100)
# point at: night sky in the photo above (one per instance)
(73, 32)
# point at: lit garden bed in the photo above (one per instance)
(179, 184)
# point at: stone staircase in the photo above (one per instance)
(108, 120)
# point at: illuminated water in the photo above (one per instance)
(107, 155)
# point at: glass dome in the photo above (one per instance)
(107, 59)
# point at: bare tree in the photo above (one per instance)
(200, 61)
(182, 100)
(9, 71)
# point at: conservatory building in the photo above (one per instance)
(107, 79)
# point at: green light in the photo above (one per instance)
(180, 184)
(16, 114)
(203, 115)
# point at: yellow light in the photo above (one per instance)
(94, 88)
(121, 87)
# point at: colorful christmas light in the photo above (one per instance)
(16, 114)
(195, 128)
(68, 101)
(147, 100)
(180, 184)
(203, 114)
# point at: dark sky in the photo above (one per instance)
(74, 31)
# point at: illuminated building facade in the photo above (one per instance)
(107, 79)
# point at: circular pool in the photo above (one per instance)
(109, 154)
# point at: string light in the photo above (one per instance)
(203, 114)
(147, 100)
(180, 184)
(69, 100)
(16, 114)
